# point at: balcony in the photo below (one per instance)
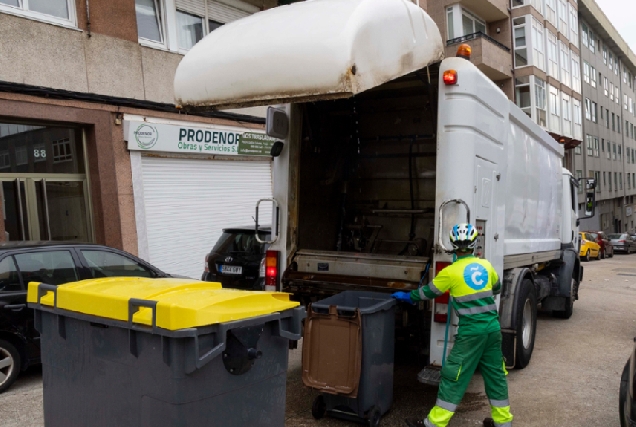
(490, 10)
(491, 57)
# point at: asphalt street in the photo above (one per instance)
(572, 380)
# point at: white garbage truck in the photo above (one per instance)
(382, 145)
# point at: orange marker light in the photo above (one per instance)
(450, 77)
(464, 51)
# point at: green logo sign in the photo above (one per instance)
(146, 136)
(255, 144)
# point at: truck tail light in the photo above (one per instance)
(440, 304)
(271, 271)
(450, 77)
(207, 259)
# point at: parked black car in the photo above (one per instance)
(236, 261)
(627, 400)
(53, 263)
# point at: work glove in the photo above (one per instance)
(403, 296)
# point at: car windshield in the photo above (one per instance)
(615, 236)
(591, 236)
(240, 242)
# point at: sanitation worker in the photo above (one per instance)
(472, 283)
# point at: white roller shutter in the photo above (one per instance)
(195, 7)
(224, 13)
(187, 203)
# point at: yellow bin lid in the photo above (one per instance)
(181, 303)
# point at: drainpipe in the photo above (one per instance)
(88, 19)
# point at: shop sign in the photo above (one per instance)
(172, 138)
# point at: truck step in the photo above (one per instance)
(430, 375)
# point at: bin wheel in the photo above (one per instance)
(374, 417)
(319, 408)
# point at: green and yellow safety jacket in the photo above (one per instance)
(473, 284)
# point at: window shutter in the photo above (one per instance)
(195, 7)
(223, 13)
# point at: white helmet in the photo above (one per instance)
(463, 236)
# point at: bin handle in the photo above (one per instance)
(44, 289)
(298, 315)
(135, 304)
(201, 361)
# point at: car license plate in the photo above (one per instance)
(231, 269)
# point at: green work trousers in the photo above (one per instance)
(469, 352)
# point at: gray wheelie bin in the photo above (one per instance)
(348, 348)
(133, 352)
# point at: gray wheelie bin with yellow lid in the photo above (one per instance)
(163, 352)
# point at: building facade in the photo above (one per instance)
(91, 145)
(609, 71)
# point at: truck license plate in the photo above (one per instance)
(231, 269)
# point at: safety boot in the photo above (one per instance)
(489, 422)
(418, 423)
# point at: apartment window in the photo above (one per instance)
(624, 75)
(614, 151)
(611, 91)
(616, 66)
(574, 26)
(619, 154)
(607, 114)
(554, 109)
(586, 72)
(565, 64)
(56, 11)
(627, 157)
(584, 35)
(615, 181)
(593, 76)
(605, 86)
(522, 94)
(538, 57)
(604, 179)
(630, 102)
(563, 17)
(633, 183)
(589, 143)
(597, 153)
(451, 22)
(577, 119)
(620, 179)
(189, 28)
(597, 178)
(618, 124)
(588, 109)
(521, 49)
(594, 110)
(613, 122)
(610, 180)
(576, 72)
(550, 12)
(629, 181)
(610, 64)
(553, 55)
(605, 55)
(150, 25)
(592, 42)
(617, 98)
(567, 115)
(577, 149)
(541, 102)
(472, 24)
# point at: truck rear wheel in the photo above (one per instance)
(526, 323)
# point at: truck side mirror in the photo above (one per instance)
(590, 197)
